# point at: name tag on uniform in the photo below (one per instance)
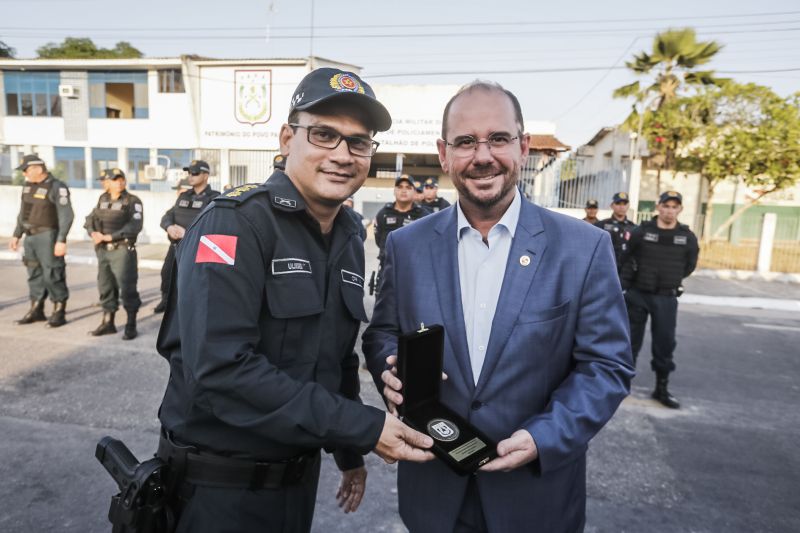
(391, 220)
(116, 206)
(26, 189)
(183, 203)
(103, 205)
(197, 204)
(290, 265)
(652, 237)
(407, 221)
(608, 227)
(435, 209)
(352, 278)
(40, 193)
(680, 239)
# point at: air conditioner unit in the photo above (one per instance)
(154, 172)
(67, 91)
(174, 175)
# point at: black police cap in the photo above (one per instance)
(28, 160)
(197, 166)
(670, 195)
(592, 204)
(404, 177)
(621, 197)
(431, 182)
(111, 174)
(279, 162)
(324, 84)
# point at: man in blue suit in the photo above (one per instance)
(537, 349)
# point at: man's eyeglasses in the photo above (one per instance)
(466, 145)
(329, 138)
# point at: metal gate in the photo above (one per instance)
(250, 166)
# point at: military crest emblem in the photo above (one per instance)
(346, 83)
(253, 96)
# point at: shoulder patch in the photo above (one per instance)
(240, 194)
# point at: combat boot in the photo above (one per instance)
(107, 326)
(662, 395)
(58, 318)
(162, 305)
(34, 314)
(130, 327)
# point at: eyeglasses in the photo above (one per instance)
(325, 137)
(466, 145)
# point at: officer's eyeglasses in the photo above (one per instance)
(329, 138)
(466, 145)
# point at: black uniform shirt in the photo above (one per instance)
(436, 205)
(389, 219)
(188, 205)
(45, 205)
(620, 231)
(260, 334)
(658, 259)
(121, 218)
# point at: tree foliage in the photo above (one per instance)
(6, 51)
(84, 48)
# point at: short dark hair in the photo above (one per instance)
(488, 86)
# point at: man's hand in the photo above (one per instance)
(97, 237)
(60, 249)
(393, 385)
(399, 442)
(351, 490)
(517, 450)
(107, 237)
(175, 232)
(13, 244)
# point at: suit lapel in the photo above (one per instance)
(529, 240)
(444, 251)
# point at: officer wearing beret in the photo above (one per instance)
(618, 225)
(175, 221)
(44, 219)
(591, 211)
(260, 328)
(661, 252)
(431, 199)
(114, 225)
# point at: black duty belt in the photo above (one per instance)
(35, 230)
(116, 244)
(664, 292)
(212, 470)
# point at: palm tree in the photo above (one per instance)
(670, 67)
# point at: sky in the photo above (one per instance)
(562, 59)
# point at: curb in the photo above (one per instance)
(148, 264)
(748, 275)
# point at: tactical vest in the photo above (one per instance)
(37, 210)
(189, 205)
(112, 215)
(662, 257)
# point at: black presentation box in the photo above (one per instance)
(419, 366)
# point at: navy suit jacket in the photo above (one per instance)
(558, 363)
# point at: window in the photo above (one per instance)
(178, 158)
(118, 95)
(32, 94)
(70, 166)
(170, 81)
(103, 158)
(138, 158)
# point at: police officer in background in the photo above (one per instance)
(431, 199)
(260, 328)
(618, 225)
(349, 207)
(402, 212)
(660, 254)
(591, 211)
(45, 218)
(175, 221)
(419, 195)
(114, 225)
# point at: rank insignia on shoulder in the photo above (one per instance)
(238, 195)
(284, 202)
(238, 191)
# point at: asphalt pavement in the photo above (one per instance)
(727, 461)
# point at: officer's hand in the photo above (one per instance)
(13, 244)
(97, 237)
(107, 237)
(517, 450)
(399, 442)
(175, 232)
(392, 385)
(351, 490)
(60, 249)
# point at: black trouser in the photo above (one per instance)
(47, 274)
(117, 274)
(470, 517)
(663, 312)
(218, 510)
(166, 268)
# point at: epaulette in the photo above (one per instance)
(239, 195)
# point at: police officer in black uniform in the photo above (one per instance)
(45, 218)
(431, 199)
(175, 221)
(114, 225)
(591, 211)
(348, 206)
(618, 225)
(402, 212)
(661, 253)
(260, 328)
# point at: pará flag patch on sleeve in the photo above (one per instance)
(216, 249)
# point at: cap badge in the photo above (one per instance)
(117, 171)
(524, 260)
(623, 195)
(673, 193)
(346, 83)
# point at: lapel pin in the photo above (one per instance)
(524, 260)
